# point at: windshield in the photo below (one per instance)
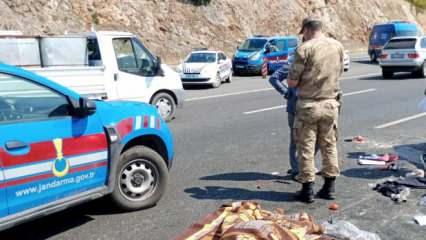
(202, 58)
(401, 44)
(253, 45)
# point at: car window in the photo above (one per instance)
(401, 44)
(201, 58)
(222, 56)
(21, 99)
(133, 57)
(252, 45)
(277, 45)
(292, 43)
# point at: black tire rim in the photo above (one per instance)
(138, 180)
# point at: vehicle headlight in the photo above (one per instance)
(255, 56)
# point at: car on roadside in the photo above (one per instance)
(204, 67)
(346, 61)
(59, 149)
(383, 32)
(254, 51)
(404, 54)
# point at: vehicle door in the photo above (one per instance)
(423, 48)
(3, 200)
(277, 54)
(224, 65)
(47, 154)
(137, 69)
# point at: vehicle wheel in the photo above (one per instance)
(387, 74)
(420, 73)
(141, 179)
(229, 80)
(165, 104)
(217, 81)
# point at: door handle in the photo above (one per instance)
(115, 77)
(15, 145)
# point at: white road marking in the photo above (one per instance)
(390, 124)
(228, 94)
(264, 89)
(359, 92)
(265, 109)
(283, 106)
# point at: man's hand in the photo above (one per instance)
(292, 83)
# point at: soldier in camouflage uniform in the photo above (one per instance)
(317, 66)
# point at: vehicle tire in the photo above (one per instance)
(217, 82)
(387, 74)
(420, 73)
(229, 80)
(165, 104)
(141, 179)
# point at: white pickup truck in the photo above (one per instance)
(108, 65)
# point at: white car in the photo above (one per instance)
(404, 54)
(346, 61)
(206, 68)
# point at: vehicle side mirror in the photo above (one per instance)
(158, 69)
(86, 107)
(238, 47)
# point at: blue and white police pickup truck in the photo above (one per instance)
(58, 149)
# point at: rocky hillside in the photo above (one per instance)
(171, 28)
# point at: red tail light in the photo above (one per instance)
(383, 56)
(413, 55)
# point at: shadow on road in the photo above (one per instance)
(197, 87)
(368, 173)
(367, 62)
(396, 77)
(46, 227)
(238, 194)
(242, 176)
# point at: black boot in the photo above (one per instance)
(327, 191)
(307, 193)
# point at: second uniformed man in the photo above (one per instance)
(317, 66)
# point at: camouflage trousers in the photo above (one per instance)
(316, 121)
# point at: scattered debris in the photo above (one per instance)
(275, 173)
(422, 105)
(334, 207)
(346, 230)
(246, 220)
(392, 189)
(421, 220)
(422, 201)
(357, 139)
(416, 173)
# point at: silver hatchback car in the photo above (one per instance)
(404, 54)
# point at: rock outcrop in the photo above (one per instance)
(171, 28)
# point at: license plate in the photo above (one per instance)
(397, 55)
(239, 66)
(191, 76)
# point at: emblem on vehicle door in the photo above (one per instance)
(60, 165)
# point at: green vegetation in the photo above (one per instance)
(200, 2)
(420, 4)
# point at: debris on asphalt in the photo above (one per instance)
(348, 231)
(420, 219)
(393, 190)
(415, 173)
(422, 201)
(357, 139)
(246, 220)
(275, 173)
(334, 207)
(422, 105)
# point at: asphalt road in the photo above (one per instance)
(229, 140)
